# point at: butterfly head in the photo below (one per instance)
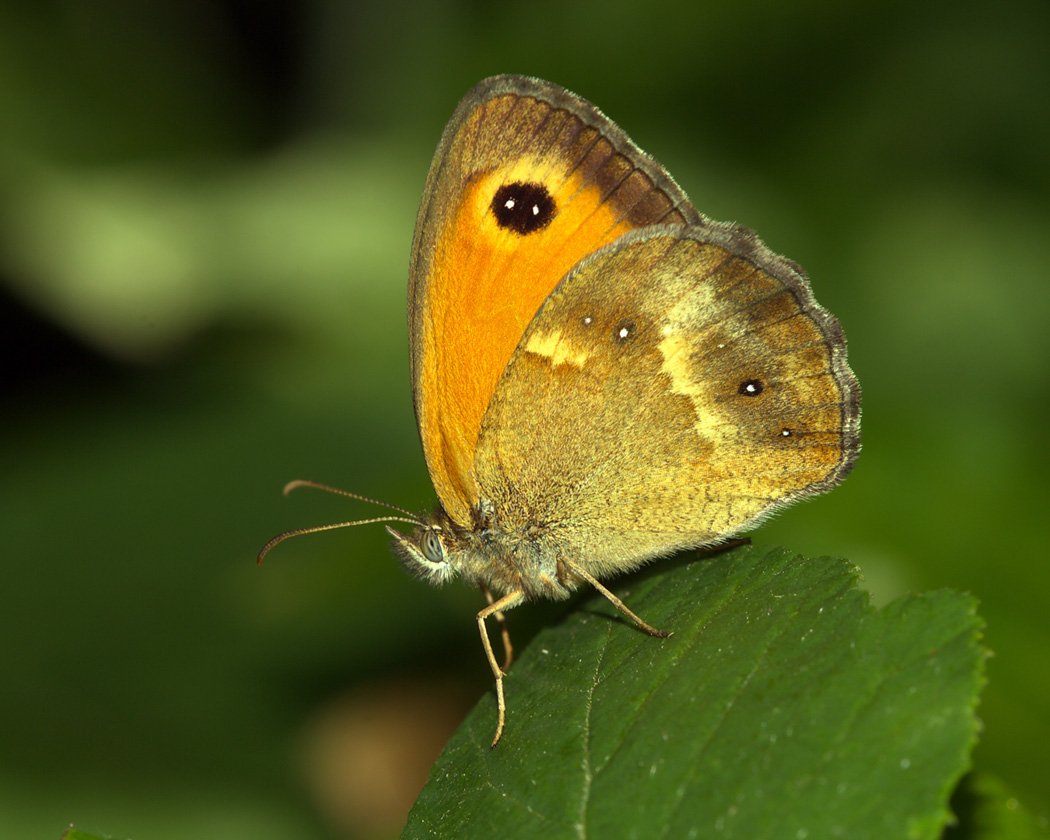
(423, 553)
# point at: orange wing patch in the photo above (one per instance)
(496, 283)
(494, 261)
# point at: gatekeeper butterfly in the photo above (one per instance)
(601, 375)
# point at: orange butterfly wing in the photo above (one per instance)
(527, 180)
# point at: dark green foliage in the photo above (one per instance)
(783, 706)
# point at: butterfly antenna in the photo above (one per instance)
(302, 482)
(296, 532)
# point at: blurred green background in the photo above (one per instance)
(206, 210)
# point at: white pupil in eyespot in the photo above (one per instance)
(510, 203)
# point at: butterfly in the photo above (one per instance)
(601, 375)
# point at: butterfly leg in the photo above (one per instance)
(496, 607)
(616, 602)
(508, 649)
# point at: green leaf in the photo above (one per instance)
(73, 834)
(988, 810)
(784, 706)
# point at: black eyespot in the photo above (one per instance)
(523, 207)
(786, 433)
(623, 332)
(751, 387)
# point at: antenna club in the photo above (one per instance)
(292, 485)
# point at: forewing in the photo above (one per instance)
(481, 268)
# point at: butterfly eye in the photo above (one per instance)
(423, 554)
(431, 546)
